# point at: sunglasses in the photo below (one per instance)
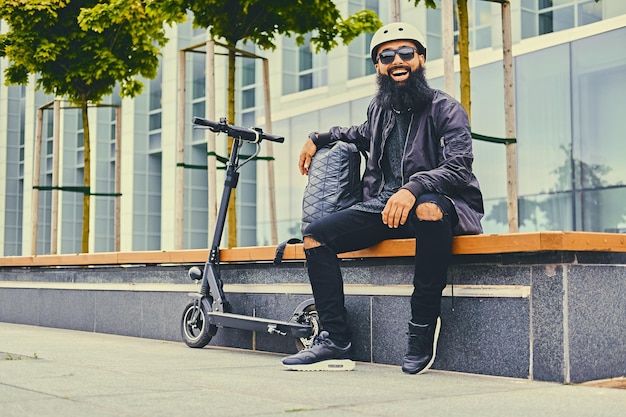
(387, 56)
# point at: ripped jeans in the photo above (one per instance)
(350, 230)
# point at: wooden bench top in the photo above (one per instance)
(462, 245)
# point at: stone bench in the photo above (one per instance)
(545, 305)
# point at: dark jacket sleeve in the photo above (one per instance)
(359, 135)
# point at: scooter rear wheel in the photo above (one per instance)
(196, 330)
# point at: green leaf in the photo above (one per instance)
(82, 49)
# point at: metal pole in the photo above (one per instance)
(36, 182)
(118, 179)
(180, 153)
(269, 148)
(56, 139)
(509, 119)
(447, 25)
(395, 10)
(211, 148)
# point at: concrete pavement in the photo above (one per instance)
(56, 372)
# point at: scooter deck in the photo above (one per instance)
(258, 324)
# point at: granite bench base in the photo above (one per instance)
(554, 316)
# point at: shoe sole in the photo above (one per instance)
(432, 360)
(328, 365)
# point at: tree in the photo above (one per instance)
(463, 48)
(81, 50)
(260, 21)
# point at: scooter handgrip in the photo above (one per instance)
(273, 138)
(252, 135)
(216, 127)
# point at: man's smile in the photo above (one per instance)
(399, 73)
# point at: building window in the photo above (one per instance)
(246, 191)
(248, 102)
(480, 21)
(14, 174)
(198, 93)
(72, 173)
(148, 169)
(196, 204)
(302, 68)
(568, 113)
(104, 233)
(155, 113)
(546, 16)
(359, 60)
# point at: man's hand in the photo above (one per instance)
(398, 208)
(308, 150)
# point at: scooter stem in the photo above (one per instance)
(230, 183)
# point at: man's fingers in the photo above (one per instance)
(393, 215)
(397, 210)
(304, 163)
(400, 217)
(404, 216)
(308, 150)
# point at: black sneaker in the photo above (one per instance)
(422, 347)
(322, 355)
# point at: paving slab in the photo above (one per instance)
(56, 372)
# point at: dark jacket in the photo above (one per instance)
(438, 155)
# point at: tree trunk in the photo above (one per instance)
(232, 204)
(86, 178)
(447, 34)
(466, 100)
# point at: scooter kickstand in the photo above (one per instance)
(272, 329)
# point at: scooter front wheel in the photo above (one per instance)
(307, 314)
(196, 330)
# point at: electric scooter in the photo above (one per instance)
(210, 309)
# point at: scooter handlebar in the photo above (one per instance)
(243, 133)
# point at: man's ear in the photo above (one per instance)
(377, 69)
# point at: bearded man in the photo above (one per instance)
(418, 183)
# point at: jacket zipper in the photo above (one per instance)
(406, 142)
(382, 149)
(379, 162)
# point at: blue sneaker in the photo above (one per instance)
(322, 355)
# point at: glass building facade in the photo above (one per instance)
(570, 77)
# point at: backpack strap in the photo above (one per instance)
(280, 249)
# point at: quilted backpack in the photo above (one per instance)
(334, 183)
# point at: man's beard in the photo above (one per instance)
(412, 95)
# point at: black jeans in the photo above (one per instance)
(350, 230)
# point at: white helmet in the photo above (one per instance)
(394, 32)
